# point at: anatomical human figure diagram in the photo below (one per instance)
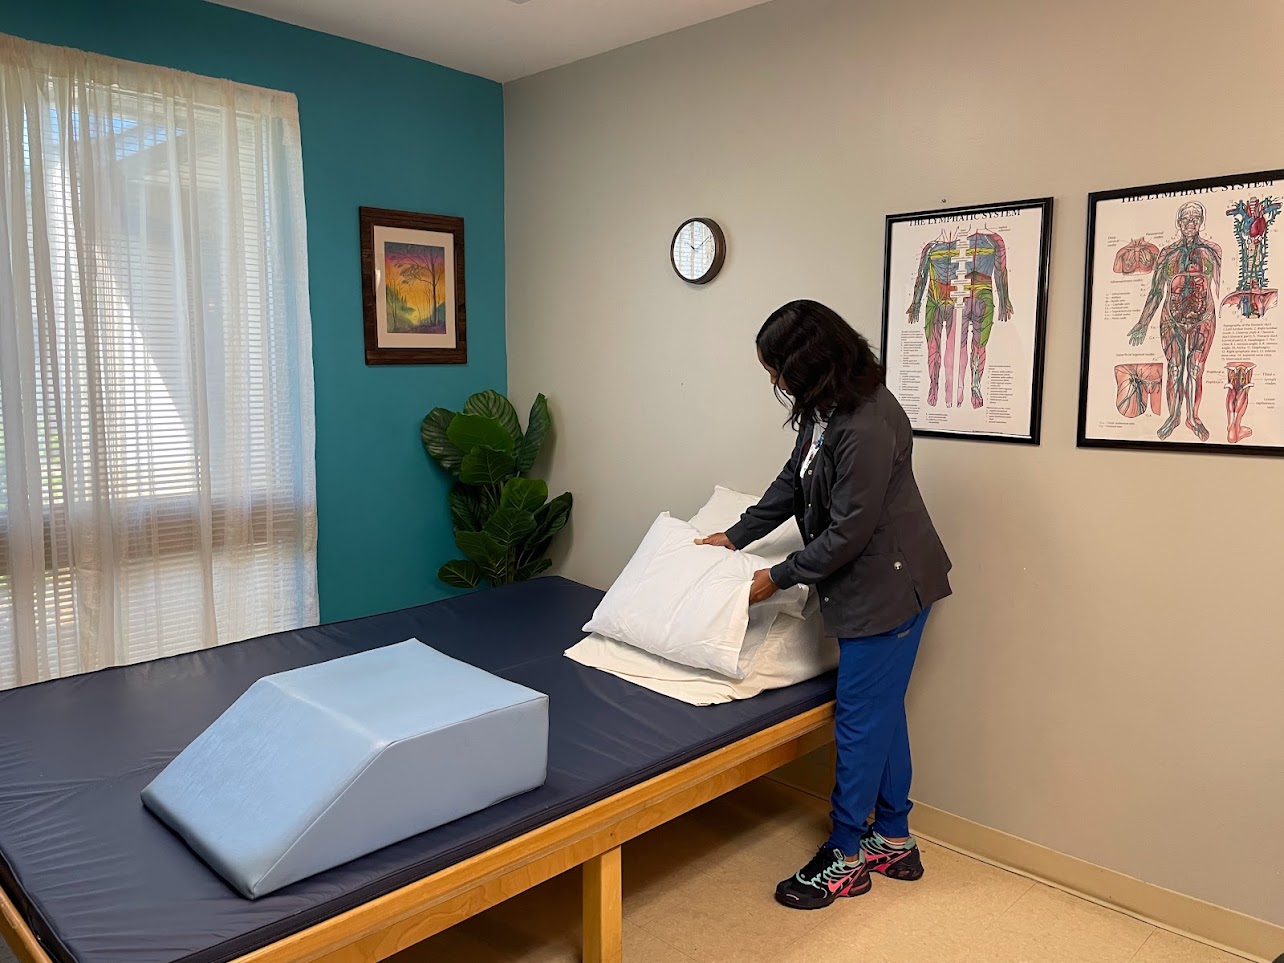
(1253, 219)
(1138, 256)
(965, 280)
(1138, 387)
(1239, 378)
(1185, 284)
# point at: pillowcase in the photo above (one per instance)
(687, 603)
(726, 507)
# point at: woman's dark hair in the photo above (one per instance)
(823, 362)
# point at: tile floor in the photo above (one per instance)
(698, 890)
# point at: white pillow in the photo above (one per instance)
(687, 603)
(726, 507)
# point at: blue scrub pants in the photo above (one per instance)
(873, 772)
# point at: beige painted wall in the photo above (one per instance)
(1108, 679)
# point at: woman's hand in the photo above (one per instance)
(720, 541)
(763, 587)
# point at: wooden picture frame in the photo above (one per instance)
(412, 282)
(1178, 293)
(979, 270)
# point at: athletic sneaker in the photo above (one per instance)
(893, 861)
(826, 878)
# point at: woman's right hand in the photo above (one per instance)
(720, 540)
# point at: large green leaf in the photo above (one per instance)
(552, 518)
(461, 573)
(487, 466)
(467, 512)
(537, 428)
(534, 569)
(470, 432)
(491, 404)
(434, 433)
(491, 557)
(510, 526)
(525, 494)
(549, 520)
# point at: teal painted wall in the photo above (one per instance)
(384, 529)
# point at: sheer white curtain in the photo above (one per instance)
(157, 482)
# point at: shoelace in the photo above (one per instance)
(815, 866)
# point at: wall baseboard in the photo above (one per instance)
(1216, 926)
(1187, 916)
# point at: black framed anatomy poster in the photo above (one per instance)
(964, 305)
(1182, 324)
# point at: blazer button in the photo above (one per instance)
(898, 566)
(826, 598)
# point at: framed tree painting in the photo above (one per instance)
(412, 277)
(964, 307)
(1182, 346)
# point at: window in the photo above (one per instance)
(157, 489)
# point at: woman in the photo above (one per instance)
(875, 560)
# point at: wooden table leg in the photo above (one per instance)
(603, 909)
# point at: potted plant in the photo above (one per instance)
(504, 522)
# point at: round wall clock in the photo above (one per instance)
(698, 250)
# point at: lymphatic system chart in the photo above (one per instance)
(1180, 306)
(963, 318)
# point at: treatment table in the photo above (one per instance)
(87, 875)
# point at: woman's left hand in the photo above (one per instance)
(763, 587)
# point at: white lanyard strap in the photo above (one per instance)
(811, 453)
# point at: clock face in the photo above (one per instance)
(695, 248)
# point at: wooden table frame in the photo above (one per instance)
(590, 837)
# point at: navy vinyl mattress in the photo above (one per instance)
(100, 880)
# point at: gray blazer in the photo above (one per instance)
(870, 546)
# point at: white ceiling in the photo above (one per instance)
(499, 39)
